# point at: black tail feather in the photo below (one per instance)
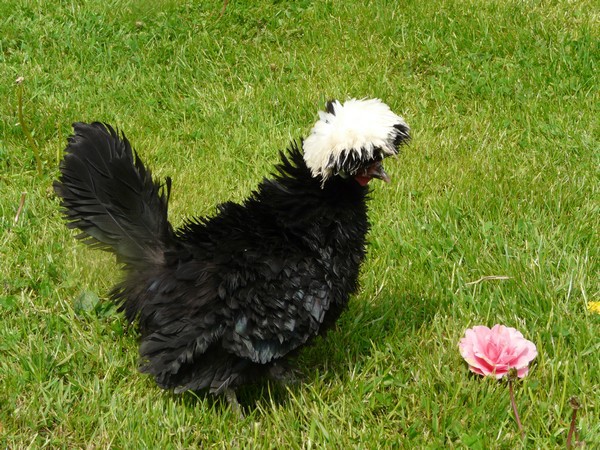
(110, 196)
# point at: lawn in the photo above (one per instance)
(492, 215)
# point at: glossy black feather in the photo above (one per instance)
(109, 195)
(222, 299)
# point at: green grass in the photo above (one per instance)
(501, 179)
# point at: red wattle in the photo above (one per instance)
(363, 181)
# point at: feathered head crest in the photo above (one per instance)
(348, 136)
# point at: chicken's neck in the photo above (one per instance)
(299, 200)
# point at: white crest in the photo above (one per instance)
(356, 128)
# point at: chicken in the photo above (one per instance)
(227, 299)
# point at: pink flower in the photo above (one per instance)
(494, 352)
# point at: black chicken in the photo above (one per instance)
(226, 299)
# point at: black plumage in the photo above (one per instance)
(228, 298)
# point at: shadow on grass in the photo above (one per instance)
(363, 327)
(249, 397)
(360, 329)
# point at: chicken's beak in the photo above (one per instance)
(375, 170)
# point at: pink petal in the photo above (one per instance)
(500, 373)
(466, 346)
(467, 343)
(476, 370)
(524, 354)
(493, 352)
(484, 365)
(511, 333)
(481, 337)
(481, 341)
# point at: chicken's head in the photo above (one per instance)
(352, 139)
